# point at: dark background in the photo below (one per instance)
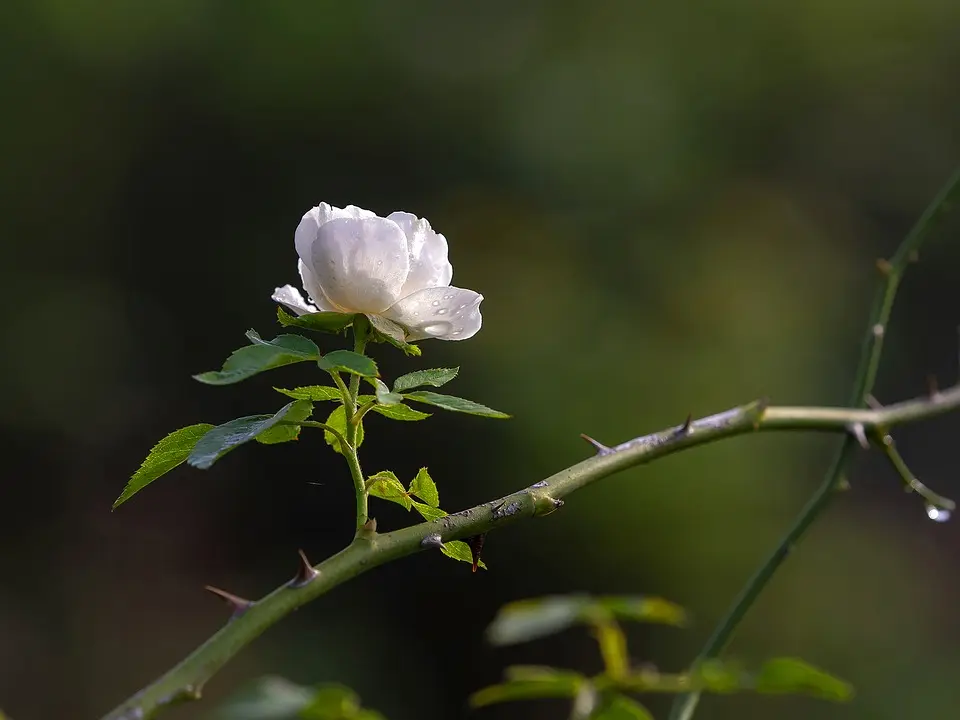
(669, 207)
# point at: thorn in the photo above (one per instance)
(872, 402)
(933, 388)
(240, 605)
(884, 266)
(601, 448)
(432, 541)
(687, 426)
(305, 573)
(476, 547)
(860, 434)
(370, 526)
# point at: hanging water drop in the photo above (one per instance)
(437, 328)
(937, 514)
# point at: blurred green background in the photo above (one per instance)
(669, 207)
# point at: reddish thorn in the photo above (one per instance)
(238, 603)
(305, 573)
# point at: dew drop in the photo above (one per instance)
(435, 303)
(462, 307)
(448, 297)
(937, 514)
(437, 328)
(457, 331)
(441, 311)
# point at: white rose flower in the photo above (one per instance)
(390, 269)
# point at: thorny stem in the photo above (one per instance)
(892, 270)
(368, 550)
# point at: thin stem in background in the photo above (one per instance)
(866, 376)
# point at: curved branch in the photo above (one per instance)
(371, 549)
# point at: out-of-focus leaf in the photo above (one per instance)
(349, 362)
(223, 438)
(640, 608)
(449, 402)
(301, 410)
(338, 421)
(269, 698)
(327, 322)
(317, 393)
(524, 620)
(794, 676)
(260, 356)
(385, 484)
(332, 702)
(720, 676)
(621, 707)
(425, 488)
(163, 457)
(526, 683)
(435, 377)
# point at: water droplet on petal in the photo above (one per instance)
(437, 328)
(435, 303)
(937, 514)
(441, 311)
(462, 307)
(457, 331)
(448, 297)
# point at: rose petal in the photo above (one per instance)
(447, 313)
(360, 263)
(315, 217)
(314, 291)
(429, 266)
(289, 296)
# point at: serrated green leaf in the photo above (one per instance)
(639, 608)
(394, 412)
(449, 402)
(621, 707)
(459, 550)
(222, 439)
(164, 457)
(349, 362)
(338, 420)
(317, 393)
(794, 676)
(301, 410)
(260, 356)
(387, 331)
(326, 322)
(429, 513)
(425, 488)
(385, 485)
(525, 683)
(435, 377)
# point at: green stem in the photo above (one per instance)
(893, 270)
(370, 550)
(361, 331)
